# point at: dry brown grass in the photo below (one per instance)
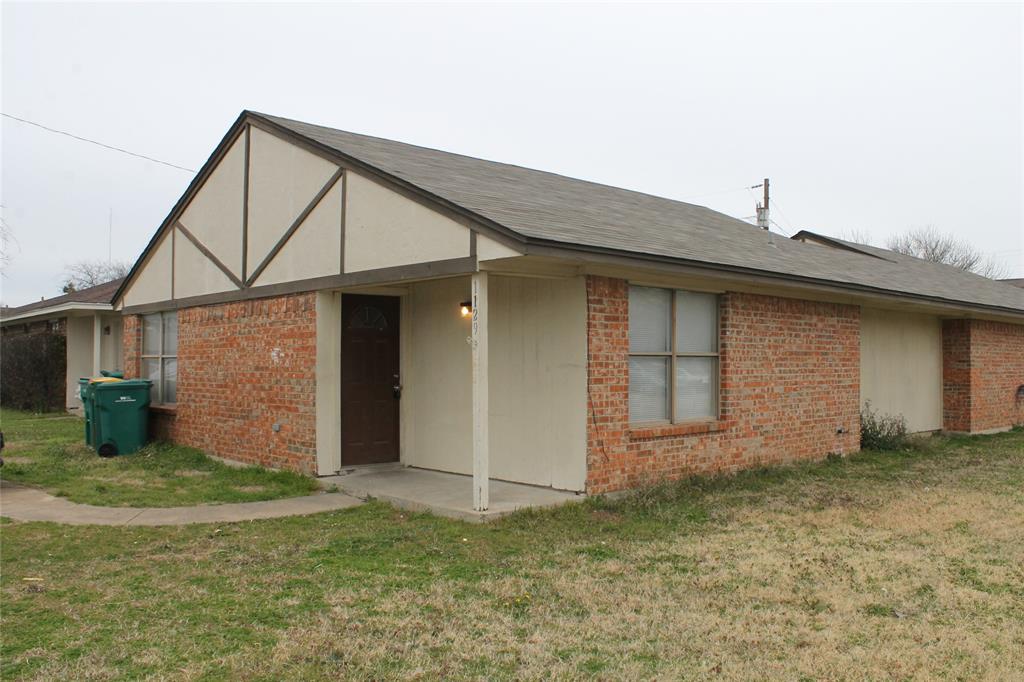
(888, 567)
(872, 593)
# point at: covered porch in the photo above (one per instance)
(489, 394)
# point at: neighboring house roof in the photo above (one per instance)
(1014, 282)
(93, 298)
(541, 209)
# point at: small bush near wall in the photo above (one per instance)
(32, 369)
(881, 431)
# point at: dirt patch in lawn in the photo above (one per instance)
(192, 473)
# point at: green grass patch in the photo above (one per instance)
(48, 451)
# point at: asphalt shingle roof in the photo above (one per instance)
(548, 207)
(101, 293)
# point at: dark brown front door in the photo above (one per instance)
(369, 377)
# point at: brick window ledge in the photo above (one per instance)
(647, 432)
(164, 409)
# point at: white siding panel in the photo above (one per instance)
(153, 282)
(901, 366)
(79, 358)
(214, 215)
(489, 249)
(194, 273)
(283, 179)
(537, 380)
(436, 397)
(385, 229)
(315, 248)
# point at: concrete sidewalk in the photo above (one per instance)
(29, 504)
(444, 494)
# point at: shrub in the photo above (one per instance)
(882, 431)
(32, 371)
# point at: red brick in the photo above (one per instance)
(243, 367)
(790, 377)
(982, 374)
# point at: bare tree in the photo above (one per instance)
(7, 242)
(857, 235)
(88, 273)
(929, 244)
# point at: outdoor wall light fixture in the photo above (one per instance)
(466, 308)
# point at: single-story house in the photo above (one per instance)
(319, 299)
(91, 332)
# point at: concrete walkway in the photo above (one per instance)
(29, 504)
(443, 493)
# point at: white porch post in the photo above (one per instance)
(97, 338)
(481, 481)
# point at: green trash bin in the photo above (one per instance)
(86, 396)
(87, 393)
(121, 416)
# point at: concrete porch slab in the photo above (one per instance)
(441, 493)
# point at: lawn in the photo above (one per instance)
(48, 451)
(879, 566)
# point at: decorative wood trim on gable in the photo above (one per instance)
(209, 254)
(394, 275)
(245, 201)
(242, 126)
(179, 207)
(296, 224)
(344, 210)
(463, 216)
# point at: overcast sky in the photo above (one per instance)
(867, 118)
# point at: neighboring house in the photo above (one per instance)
(87, 321)
(304, 305)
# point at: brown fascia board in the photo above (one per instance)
(582, 252)
(828, 241)
(204, 172)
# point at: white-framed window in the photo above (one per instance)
(673, 355)
(160, 356)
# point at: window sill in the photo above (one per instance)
(646, 432)
(164, 409)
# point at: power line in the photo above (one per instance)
(710, 194)
(781, 228)
(106, 146)
(783, 213)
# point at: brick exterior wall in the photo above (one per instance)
(243, 367)
(790, 377)
(982, 375)
(131, 345)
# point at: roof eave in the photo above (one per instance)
(60, 310)
(546, 247)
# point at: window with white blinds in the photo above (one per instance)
(160, 356)
(673, 355)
